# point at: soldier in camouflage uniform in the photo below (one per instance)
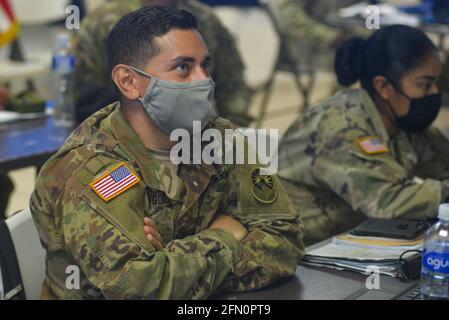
(299, 26)
(192, 256)
(354, 155)
(305, 31)
(232, 97)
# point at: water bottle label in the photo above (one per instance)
(437, 262)
(63, 64)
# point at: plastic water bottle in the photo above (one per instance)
(63, 67)
(435, 261)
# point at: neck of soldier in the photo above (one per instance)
(388, 117)
(152, 137)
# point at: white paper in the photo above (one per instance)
(400, 248)
(350, 252)
(10, 116)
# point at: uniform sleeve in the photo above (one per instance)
(376, 185)
(433, 150)
(107, 241)
(274, 246)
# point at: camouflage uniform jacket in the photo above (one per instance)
(105, 239)
(335, 184)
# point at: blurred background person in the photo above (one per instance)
(371, 151)
(304, 24)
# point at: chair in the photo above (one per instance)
(303, 75)
(29, 252)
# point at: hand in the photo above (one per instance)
(152, 234)
(229, 224)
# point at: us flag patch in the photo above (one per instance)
(116, 181)
(372, 145)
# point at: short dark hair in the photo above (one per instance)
(131, 40)
(390, 52)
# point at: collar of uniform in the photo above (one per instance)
(374, 115)
(195, 177)
(151, 168)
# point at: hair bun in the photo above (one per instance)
(348, 64)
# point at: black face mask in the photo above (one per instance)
(423, 111)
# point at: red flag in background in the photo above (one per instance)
(9, 26)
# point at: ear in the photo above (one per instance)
(126, 81)
(383, 87)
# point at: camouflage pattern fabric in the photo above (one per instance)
(309, 40)
(300, 27)
(105, 239)
(335, 184)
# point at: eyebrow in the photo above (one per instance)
(431, 78)
(187, 59)
(183, 59)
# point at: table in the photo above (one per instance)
(29, 142)
(315, 283)
(320, 283)
(11, 70)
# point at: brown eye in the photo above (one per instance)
(427, 86)
(183, 67)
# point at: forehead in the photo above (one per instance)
(187, 43)
(430, 66)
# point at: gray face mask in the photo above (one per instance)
(175, 105)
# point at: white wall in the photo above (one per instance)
(256, 40)
(41, 11)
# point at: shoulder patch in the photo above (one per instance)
(262, 187)
(114, 182)
(372, 145)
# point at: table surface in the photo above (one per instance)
(29, 142)
(23, 70)
(318, 283)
